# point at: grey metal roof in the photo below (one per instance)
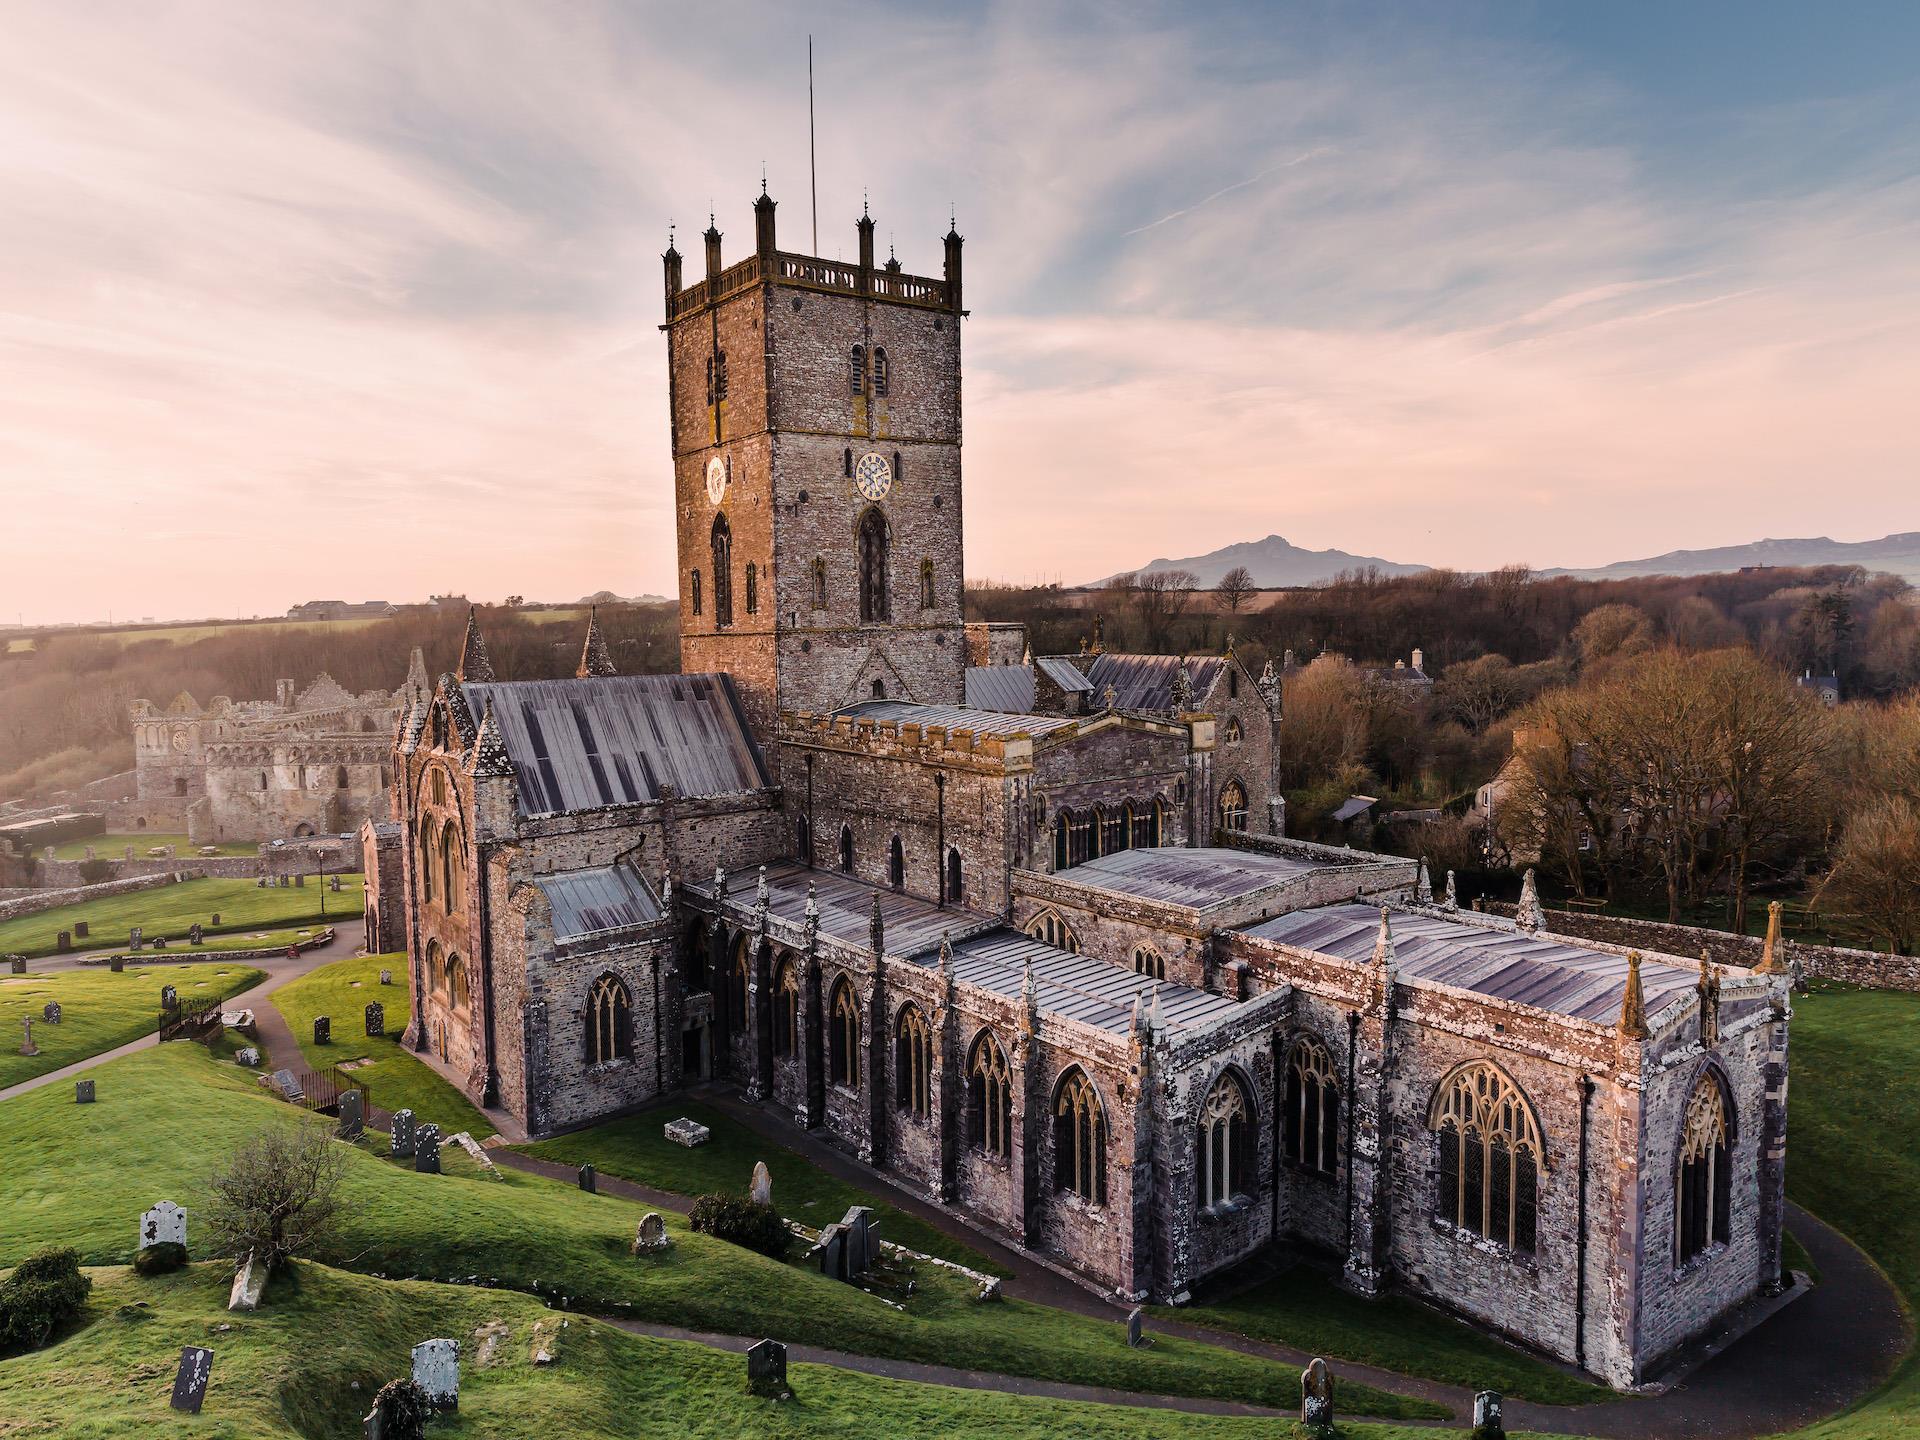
(616, 739)
(1178, 876)
(1000, 687)
(846, 907)
(587, 902)
(1145, 682)
(1543, 972)
(1075, 987)
(955, 717)
(1063, 673)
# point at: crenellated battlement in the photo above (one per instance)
(906, 739)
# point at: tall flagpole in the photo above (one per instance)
(813, 174)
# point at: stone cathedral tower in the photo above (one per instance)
(816, 451)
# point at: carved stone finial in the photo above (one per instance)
(1109, 697)
(1770, 962)
(1451, 901)
(1633, 1002)
(1099, 646)
(474, 662)
(1709, 991)
(1527, 914)
(595, 659)
(719, 885)
(1385, 957)
(946, 960)
(1182, 687)
(762, 893)
(1423, 886)
(1269, 686)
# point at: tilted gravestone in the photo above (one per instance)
(249, 1284)
(249, 1057)
(50, 1012)
(426, 1149)
(376, 1020)
(652, 1237)
(83, 1092)
(767, 1370)
(352, 1121)
(63, 942)
(164, 1224)
(1488, 1421)
(1316, 1398)
(190, 1385)
(863, 1241)
(761, 1192)
(400, 1140)
(436, 1370)
(589, 1181)
(322, 1030)
(831, 1251)
(288, 1084)
(1136, 1318)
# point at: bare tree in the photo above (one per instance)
(1873, 875)
(1160, 598)
(1236, 587)
(277, 1193)
(1478, 692)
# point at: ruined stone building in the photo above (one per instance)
(313, 762)
(1018, 939)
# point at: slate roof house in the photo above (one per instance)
(1017, 939)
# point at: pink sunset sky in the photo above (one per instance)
(340, 300)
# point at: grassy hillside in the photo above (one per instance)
(168, 910)
(98, 1010)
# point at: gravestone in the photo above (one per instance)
(249, 1284)
(288, 1084)
(159, 942)
(436, 1370)
(1135, 1336)
(169, 998)
(50, 1012)
(216, 918)
(863, 1243)
(831, 1251)
(1316, 1398)
(1488, 1421)
(193, 933)
(83, 1092)
(88, 853)
(300, 880)
(164, 1224)
(376, 1020)
(248, 1057)
(63, 942)
(27, 1047)
(767, 1370)
(476, 1153)
(762, 1191)
(47, 853)
(426, 1149)
(190, 1385)
(352, 1121)
(400, 1135)
(127, 853)
(334, 884)
(284, 882)
(686, 1132)
(17, 964)
(652, 1237)
(322, 1030)
(386, 977)
(80, 929)
(261, 883)
(133, 938)
(589, 1182)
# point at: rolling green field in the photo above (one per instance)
(169, 909)
(238, 940)
(99, 1010)
(397, 1078)
(78, 1175)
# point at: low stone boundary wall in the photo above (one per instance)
(1867, 968)
(40, 900)
(188, 953)
(231, 867)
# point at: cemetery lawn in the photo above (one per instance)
(81, 1176)
(112, 847)
(287, 1372)
(219, 944)
(98, 1011)
(169, 909)
(397, 1079)
(635, 1148)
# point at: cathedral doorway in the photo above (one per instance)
(696, 1053)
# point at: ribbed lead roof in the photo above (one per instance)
(617, 739)
(1075, 987)
(1000, 687)
(1178, 876)
(846, 907)
(955, 717)
(1145, 682)
(587, 902)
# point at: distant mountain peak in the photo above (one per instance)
(1892, 554)
(1276, 562)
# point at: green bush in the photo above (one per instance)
(742, 1222)
(159, 1259)
(41, 1295)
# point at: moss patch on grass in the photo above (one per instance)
(99, 1010)
(169, 909)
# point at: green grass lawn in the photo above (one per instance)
(398, 1079)
(634, 1148)
(81, 1175)
(287, 1371)
(98, 1010)
(238, 940)
(113, 847)
(169, 909)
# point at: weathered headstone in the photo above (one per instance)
(87, 853)
(352, 1121)
(831, 1251)
(397, 1412)
(376, 1020)
(27, 1047)
(17, 964)
(333, 884)
(127, 853)
(400, 1140)
(863, 1245)
(589, 1181)
(1316, 1397)
(83, 1092)
(50, 1012)
(762, 1191)
(116, 963)
(133, 938)
(436, 1370)
(426, 1149)
(249, 1057)
(1488, 1421)
(261, 883)
(300, 880)
(216, 918)
(169, 998)
(79, 929)
(652, 1237)
(476, 1152)
(164, 1224)
(63, 942)
(249, 1284)
(322, 1030)
(767, 1370)
(193, 933)
(47, 853)
(288, 1084)
(159, 942)
(386, 977)
(1136, 1336)
(190, 1385)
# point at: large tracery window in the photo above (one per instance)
(1226, 1142)
(609, 1033)
(875, 606)
(913, 1062)
(722, 571)
(989, 1097)
(1050, 929)
(843, 1035)
(1313, 1108)
(1079, 1139)
(1490, 1156)
(1702, 1215)
(786, 1008)
(1233, 799)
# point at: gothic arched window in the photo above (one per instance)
(926, 584)
(786, 1008)
(913, 1062)
(722, 571)
(1490, 1155)
(819, 583)
(427, 862)
(434, 978)
(1702, 1209)
(697, 942)
(1140, 827)
(753, 589)
(843, 1035)
(693, 591)
(1049, 929)
(1231, 732)
(875, 607)
(456, 981)
(451, 868)
(1113, 831)
(896, 864)
(846, 849)
(1079, 1139)
(1062, 840)
(1226, 1142)
(803, 840)
(989, 1097)
(609, 1012)
(882, 373)
(1233, 806)
(1313, 1108)
(954, 875)
(1149, 962)
(340, 777)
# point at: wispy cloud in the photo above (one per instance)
(1207, 200)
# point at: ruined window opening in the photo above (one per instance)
(1079, 1139)
(875, 606)
(609, 1035)
(989, 1097)
(913, 1062)
(1313, 1108)
(1049, 929)
(1226, 1134)
(896, 862)
(340, 781)
(753, 589)
(263, 779)
(803, 841)
(846, 849)
(1490, 1156)
(819, 583)
(1233, 806)
(179, 784)
(879, 689)
(843, 1035)
(857, 371)
(882, 373)
(1149, 962)
(926, 584)
(722, 572)
(1702, 1205)
(786, 1009)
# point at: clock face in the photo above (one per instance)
(716, 479)
(873, 477)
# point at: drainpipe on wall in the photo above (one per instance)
(1585, 1087)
